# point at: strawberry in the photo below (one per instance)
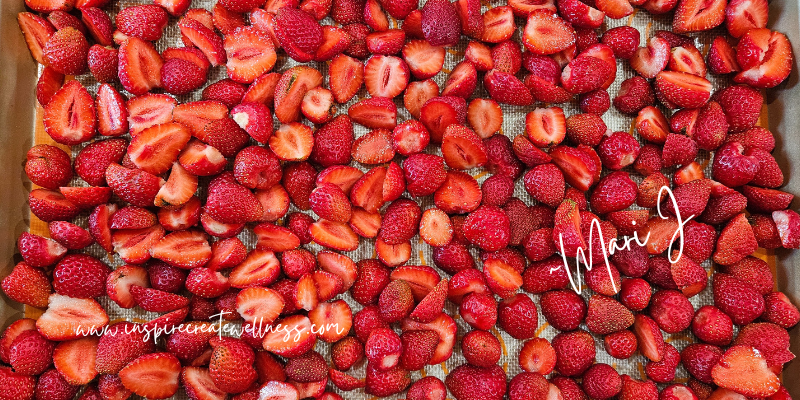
(80, 276)
(696, 16)
(152, 375)
(623, 40)
(606, 315)
(741, 361)
(537, 356)
(506, 88)
(769, 339)
(65, 315)
(98, 24)
(197, 34)
(291, 89)
(139, 66)
(618, 150)
(31, 353)
(48, 166)
(739, 301)
(545, 127)
(185, 249)
(241, 41)
(149, 110)
(66, 51)
(722, 57)
(298, 33)
(48, 84)
(634, 95)
(120, 345)
(146, 22)
(198, 384)
(112, 113)
(52, 385)
(741, 105)
(438, 113)
(545, 33)
(225, 20)
(585, 74)
(779, 310)
(681, 89)
(69, 117)
(481, 348)
(463, 379)
(37, 31)
(75, 360)
(488, 228)
(181, 76)
(787, 223)
(231, 364)
(27, 285)
(346, 75)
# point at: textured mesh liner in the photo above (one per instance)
(513, 125)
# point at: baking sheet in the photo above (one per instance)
(19, 126)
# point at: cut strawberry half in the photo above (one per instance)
(291, 89)
(546, 33)
(49, 82)
(364, 223)
(498, 24)
(69, 117)
(652, 125)
(346, 75)
(367, 192)
(305, 293)
(179, 189)
(75, 360)
(440, 112)
(334, 41)
(50, 205)
(133, 246)
(67, 318)
(37, 32)
(462, 80)
(275, 238)
(385, 76)
(744, 370)
(650, 60)
(292, 142)
(374, 112)
(201, 159)
(275, 202)
(373, 148)
(765, 58)
(339, 265)
(112, 113)
(199, 385)
(336, 313)
(648, 334)
(318, 105)
(458, 194)
(682, 90)
(328, 285)
(155, 300)
(687, 59)
(276, 390)
(743, 15)
(722, 57)
(153, 375)
(300, 326)
(250, 54)
(787, 223)
(423, 60)
(523, 8)
(139, 66)
(119, 282)
(196, 115)
(615, 9)
(157, 147)
(581, 15)
(698, 15)
(334, 235)
(578, 167)
(259, 306)
(184, 249)
(445, 327)
(462, 148)
(204, 38)
(343, 176)
(149, 110)
(506, 88)
(260, 268)
(393, 255)
(546, 127)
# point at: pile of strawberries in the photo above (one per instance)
(169, 187)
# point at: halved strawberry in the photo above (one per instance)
(462, 80)
(133, 245)
(275, 202)
(153, 375)
(318, 105)
(180, 218)
(743, 15)
(373, 148)
(364, 223)
(133, 185)
(765, 58)
(417, 94)
(198, 384)
(292, 142)
(75, 360)
(149, 110)
(155, 300)
(722, 57)
(260, 268)
(334, 235)
(37, 32)
(290, 90)
(156, 148)
(687, 59)
(227, 21)
(615, 9)
(298, 33)
(367, 192)
(301, 327)
(458, 194)
(445, 327)
(545, 33)
(744, 370)
(648, 334)
(698, 15)
(69, 117)
(385, 76)
(112, 113)
(485, 117)
(345, 76)
(196, 115)
(340, 175)
(582, 15)
(223, 229)
(546, 127)
(579, 167)
(275, 238)
(120, 281)
(49, 205)
(49, 82)
(336, 313)
(682, 90)
(204, 38)
(787, 223)
(480, 55)
(469, 12)
(139, 66)
(423, 60)
(185, 249)
(201, 159)
(393, 255)
(506, 88)
(498, 24)
(652, 125)
(67, 318)
(462, 148)
(650, 60)
(374, 112)
(259, 305)
(250, 54)
(178, 190)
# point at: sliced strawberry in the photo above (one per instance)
(546, 127)
(582, 15)
(650, 60)
(423, 60)
(469, 12)
(196, 115)
(298, 33)
(291, 89)
(36, 31)
(334, 235)
(506, 88)
(226, 21)
(393, 254)
(687, 59)
(133, 185)
(788, 226)
(49, 205)
(458, 194)
(374, 112)
(260, 268)
(649, 337)
(179, 189)
(318, 105)
(698, 15)
(67, 318)
(373, 148)
(765, 58)
(139, 66)
(652, 125)
(445, 327)
(149, 110)
(259, 305)
(523, 8)
(198, 384)
(204, 38)
(462, 81)
(181, 218)
(201, 159)
(75, 360)
(156, 148)
(743, 15)
(462, 148)
(132, 217)
(250, 54)
(578, 167)
(417, 94)
(545, 33)
(184, 249)
(306, 337)
(112, 113)
(49, 82)
(120, 281)
(133, 245)
(682, 90)
(367, 192)
(498, 24)
(69, 117)
(336, 313)
(346, 74)
(744, 369)
(615, 9)
(152, 375)
(386, 76)
(275, 238)
(722, 57)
